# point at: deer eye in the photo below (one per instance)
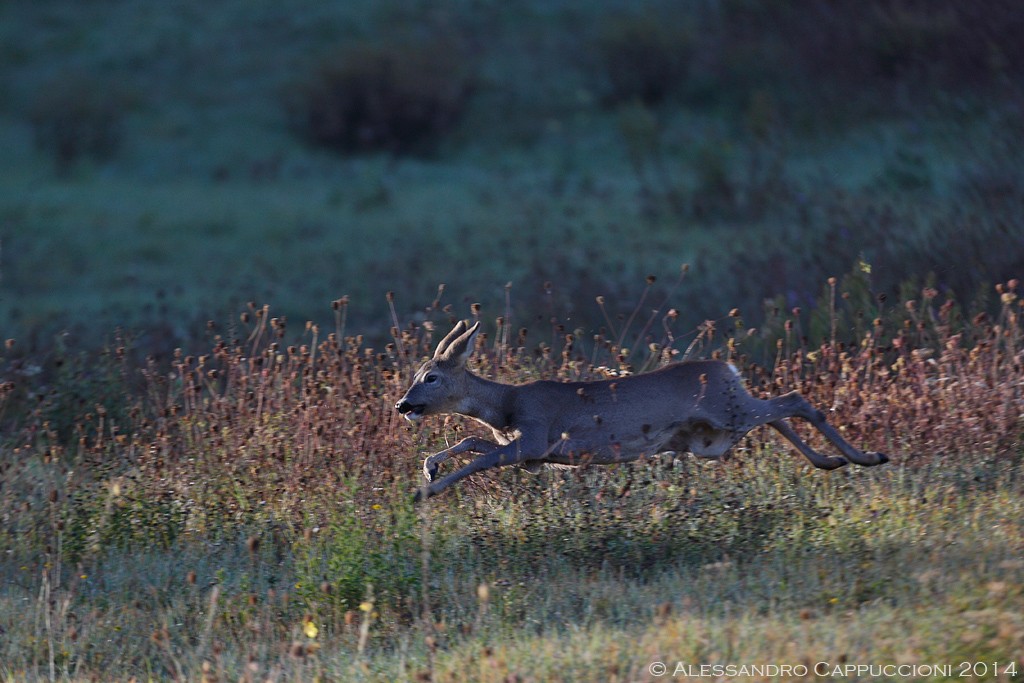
(430, 379)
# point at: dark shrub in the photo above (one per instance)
(396, 97)
(643, 58)
(77, 115)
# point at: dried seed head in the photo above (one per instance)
(190, 578)
(651, 279)
(475, 308)
(252, 544)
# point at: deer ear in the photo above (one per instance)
(456, 332)
(459, 350)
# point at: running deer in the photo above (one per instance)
(696, 406)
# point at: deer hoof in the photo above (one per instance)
(429, 470)
(422, 493)
(882, 458)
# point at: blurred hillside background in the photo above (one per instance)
(164, 163)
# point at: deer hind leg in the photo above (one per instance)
(471, 444)
(795, 405)
(824, 462)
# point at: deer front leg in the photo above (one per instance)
(471, 444)
(510, 454)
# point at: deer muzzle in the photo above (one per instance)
(411, 411)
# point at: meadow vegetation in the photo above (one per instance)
(247, 513)
(198, 485)
(162, 168)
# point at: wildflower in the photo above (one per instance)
(310, 629)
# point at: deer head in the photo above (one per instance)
(439, 386)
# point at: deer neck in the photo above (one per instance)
(489, 402)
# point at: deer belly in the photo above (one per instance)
(704, 440)
(604, 446)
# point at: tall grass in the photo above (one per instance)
(245, 513)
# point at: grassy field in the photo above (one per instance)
(198, 484)
(760, 562)
(197, 194)
(248, 516)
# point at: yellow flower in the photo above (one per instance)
(310, 629)
(376, 506)
(366, 606)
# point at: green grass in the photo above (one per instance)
(210, 201)
(105, 250)
(758, 561)
(248, 513)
